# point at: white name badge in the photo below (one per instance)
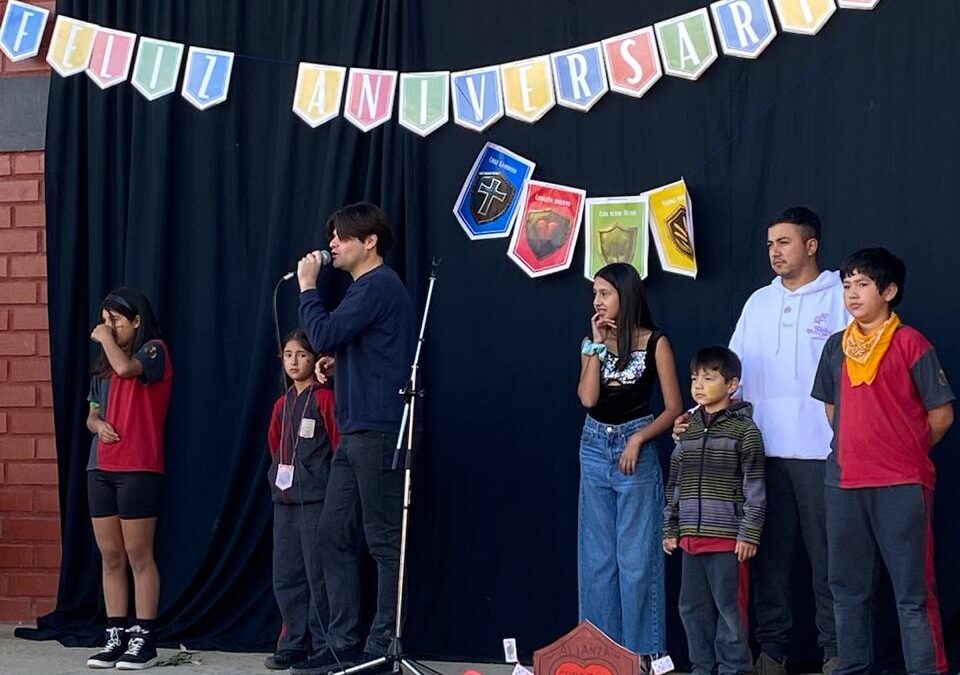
(662, 666)
(308, 427)
(284, 476)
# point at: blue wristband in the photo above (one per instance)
(597, 349)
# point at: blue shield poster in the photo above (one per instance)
(492, 192)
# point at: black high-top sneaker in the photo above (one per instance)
(112, 651)
(141, 651)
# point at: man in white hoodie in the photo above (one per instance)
(781, 331)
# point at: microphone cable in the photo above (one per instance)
(299, 474)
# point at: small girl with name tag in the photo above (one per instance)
(302, 438)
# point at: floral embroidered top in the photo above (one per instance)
(625, 394)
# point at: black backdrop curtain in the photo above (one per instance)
(205, 210)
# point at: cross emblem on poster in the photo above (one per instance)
(490, 189)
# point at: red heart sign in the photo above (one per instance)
(570, 668)
(545, 228)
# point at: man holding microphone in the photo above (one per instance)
(373, 335)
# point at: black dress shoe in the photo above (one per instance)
(284, 658)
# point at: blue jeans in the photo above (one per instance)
(620, 532)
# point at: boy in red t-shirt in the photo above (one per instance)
(889, 403)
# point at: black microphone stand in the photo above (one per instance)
(395, 655)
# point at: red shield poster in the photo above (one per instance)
(586, 650)
(546, 229)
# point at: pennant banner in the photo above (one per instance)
(671, 221)
(616, 231)
(633, 65)
(22, 30)
(207, 78)
(527, 89)
(370, 95)
(805, 17)
(71, 46)
(548, 223)
(492, 192)
(580, 77)
(157, 67)
(110, 57)
(477, 97)
(745, 26)
(630, 64)
(319, 93)
(686, 44)
(424, 101)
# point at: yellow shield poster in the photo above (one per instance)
(671, 222)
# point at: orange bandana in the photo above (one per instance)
(865, 352)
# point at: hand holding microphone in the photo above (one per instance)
(309, 268)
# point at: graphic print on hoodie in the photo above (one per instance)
(779, 338)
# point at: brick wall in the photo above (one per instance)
(29, 504)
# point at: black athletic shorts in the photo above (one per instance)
(128, 494)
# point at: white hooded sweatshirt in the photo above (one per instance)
(779, 337)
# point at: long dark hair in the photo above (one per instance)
(297, 335)
(128, 303)
(634, 308)
(300, 337)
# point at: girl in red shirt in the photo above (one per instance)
(129, 397)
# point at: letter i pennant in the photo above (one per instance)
(157, 68)
(805, 17)
(424, 101)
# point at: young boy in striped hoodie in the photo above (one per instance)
(716, 501)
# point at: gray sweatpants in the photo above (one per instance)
(890, 524)
(298, 577)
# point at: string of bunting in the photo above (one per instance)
(500, 199)
(683, 46)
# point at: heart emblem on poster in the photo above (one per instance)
(547, 232)
(545, 228)
(570, 668)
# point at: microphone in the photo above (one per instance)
(324, 258)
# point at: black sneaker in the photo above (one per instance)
(111, 653)
(141, 652)
(323, 662)
(284, 658)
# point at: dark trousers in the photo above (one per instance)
(298, 576)
(893, 525)
(362, 490)
(795, 507)
(713, 608)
